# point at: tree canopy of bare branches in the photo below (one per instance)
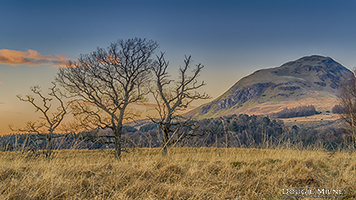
(347, 101)
(50, 120)
(172, 96)
(106, 81)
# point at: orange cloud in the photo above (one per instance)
(31, 57)
(1, 82)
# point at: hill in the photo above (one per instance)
(311, 80)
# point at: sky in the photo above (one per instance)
(232, 39)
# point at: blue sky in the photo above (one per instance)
(231, 38)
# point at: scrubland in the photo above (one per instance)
(185, 173)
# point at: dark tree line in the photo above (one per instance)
(300, 111)
(224, 132)
(82, 140)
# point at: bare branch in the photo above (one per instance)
(108, 80)
(347, 100)
(172, 96)
(50, 120)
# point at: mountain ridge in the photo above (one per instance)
(304, 81)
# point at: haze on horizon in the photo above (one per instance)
(230, 38)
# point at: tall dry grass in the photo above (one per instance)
(186, 173)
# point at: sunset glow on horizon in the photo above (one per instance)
(230, 38)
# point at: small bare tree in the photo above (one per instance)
(106, 81)
(173, 96)
(50, 120)
(347, 101)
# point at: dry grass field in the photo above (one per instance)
(186, 173)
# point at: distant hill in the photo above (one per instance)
(312, 80)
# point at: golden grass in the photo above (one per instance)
(185, 173)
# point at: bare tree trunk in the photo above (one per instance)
(49, 145)
(118, 133)
(117, 147)
(165, 141)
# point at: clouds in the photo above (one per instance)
(30, 57)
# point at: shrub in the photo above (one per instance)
(338, 109)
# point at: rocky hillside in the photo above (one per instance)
(311, 80)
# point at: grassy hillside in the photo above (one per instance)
(311, 80)
(186, 173)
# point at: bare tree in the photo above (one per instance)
(173, 96)
(50, 120)
(347, 101)
(106, 81)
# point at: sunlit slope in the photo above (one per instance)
(311, 80)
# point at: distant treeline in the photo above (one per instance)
(300, 111)
(29, 142)
(254, 131)
(84, 140)
(338, 109)
(228, 131)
